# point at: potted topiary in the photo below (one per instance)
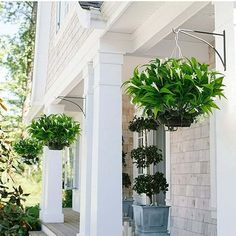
(55, 131)
(176, 91)
(152, 218)
(29, 149)
(126, 184)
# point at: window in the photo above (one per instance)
(70, 166)
(140, 144)
(159, 140)
(62, 9)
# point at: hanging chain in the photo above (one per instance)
(177, 48)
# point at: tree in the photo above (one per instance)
(16, 57)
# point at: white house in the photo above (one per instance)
(84, 52)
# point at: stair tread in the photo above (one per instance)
(37, 233)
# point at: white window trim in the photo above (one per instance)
(168, 167)
(60, 32)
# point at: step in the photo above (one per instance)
(37, 233)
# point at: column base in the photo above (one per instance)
(51, 217)
(151, 234)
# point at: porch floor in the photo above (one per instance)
(70, 227)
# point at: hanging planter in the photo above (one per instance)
(29, 150)
(138, 124)
(176, 91)
(55, 131)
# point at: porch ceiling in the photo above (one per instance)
(135, 15)
(203, 21)
(147, 27)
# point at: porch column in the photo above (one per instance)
(86, 157)
(106, 202)
(51, 202)
(225, 147)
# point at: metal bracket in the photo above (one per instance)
(67, 99)
(186, 32)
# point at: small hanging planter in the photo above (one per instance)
(175, 91)
(138, 124)
(56, 131)
(29, 150)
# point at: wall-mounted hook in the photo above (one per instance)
(186, 32)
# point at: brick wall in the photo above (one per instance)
(65, 43)
(128, 114)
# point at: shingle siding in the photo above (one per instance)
(190, 182)
(64, 44)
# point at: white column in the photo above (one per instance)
(86, 157)
(106, 207)
(225, 19)
(51, 202)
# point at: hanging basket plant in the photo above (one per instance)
(138, 124)
(29, 150)
(55, 131)
(176, 91)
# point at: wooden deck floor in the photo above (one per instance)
(69, 228)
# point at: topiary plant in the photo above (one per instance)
(29, 149)
(150, 184)
(144, 157)
(176, 91)
(55, 131)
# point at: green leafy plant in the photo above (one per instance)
(140, 123)
(176, 91)
(126, 182)
(29, 149)
(150, 184)
(67, 198)
(147, 156)
(55, 131)
(15, 219)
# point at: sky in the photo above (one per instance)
(6, 29)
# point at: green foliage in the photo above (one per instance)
(9, 164)
(29, 150)
(145, 156)
(55, 131)
(67, 198)
(176, 90)
(16, 57)
(150, 184)
(126, 182)
(14, 218)
(138, 124)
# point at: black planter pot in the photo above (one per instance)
(173, 122)
(55, 146)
